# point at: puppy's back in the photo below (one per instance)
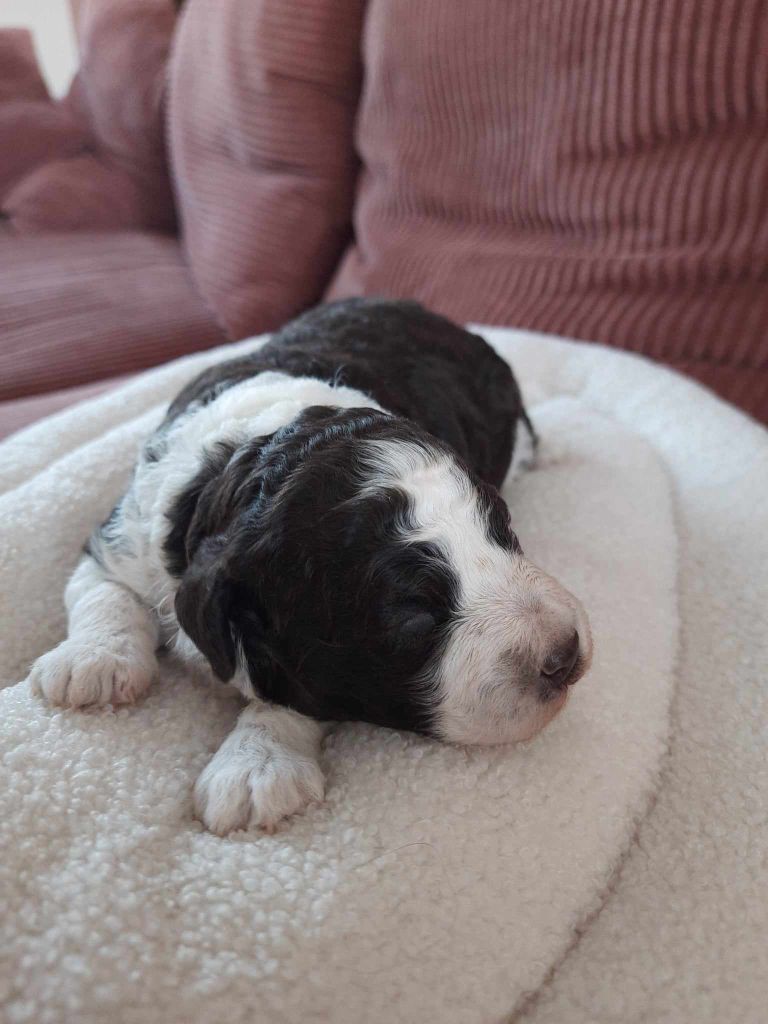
(412, 362)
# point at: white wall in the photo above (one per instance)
(51, 26)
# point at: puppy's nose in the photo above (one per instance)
(560, 662)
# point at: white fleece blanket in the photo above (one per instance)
(434, 883)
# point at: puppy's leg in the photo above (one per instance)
(109, 654)
(525, 450)
(265, 770)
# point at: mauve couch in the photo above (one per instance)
(93, 282)
(593, 170)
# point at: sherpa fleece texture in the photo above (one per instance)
(435, 883)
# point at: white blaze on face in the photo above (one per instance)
(513, 617)
(487, 685)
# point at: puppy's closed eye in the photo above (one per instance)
(414, 626)
(411, 624)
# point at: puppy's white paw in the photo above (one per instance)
(77, 673)
(237, 789)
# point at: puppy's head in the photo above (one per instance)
(354, 569)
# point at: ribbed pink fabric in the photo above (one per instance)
(262, 101)
(79, 307)
(95, 161)
(597, 169)
(33, 129)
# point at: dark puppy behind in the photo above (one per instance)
(318, 523)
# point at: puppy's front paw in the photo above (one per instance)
(77, 673)
(236, 790)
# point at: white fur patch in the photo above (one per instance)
(511, 613)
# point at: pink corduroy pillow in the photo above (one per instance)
(33, 129)
(262, 102)
(106, 168)
(592, 169)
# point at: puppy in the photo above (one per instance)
(319, 525)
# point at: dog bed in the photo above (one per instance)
(434, 883)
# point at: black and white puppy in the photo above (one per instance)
(318, 524)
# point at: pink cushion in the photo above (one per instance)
(33, 129)
(263, 96)
(598, 170)
(80, 307)
(104, 164)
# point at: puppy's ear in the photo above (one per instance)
(203, 604)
